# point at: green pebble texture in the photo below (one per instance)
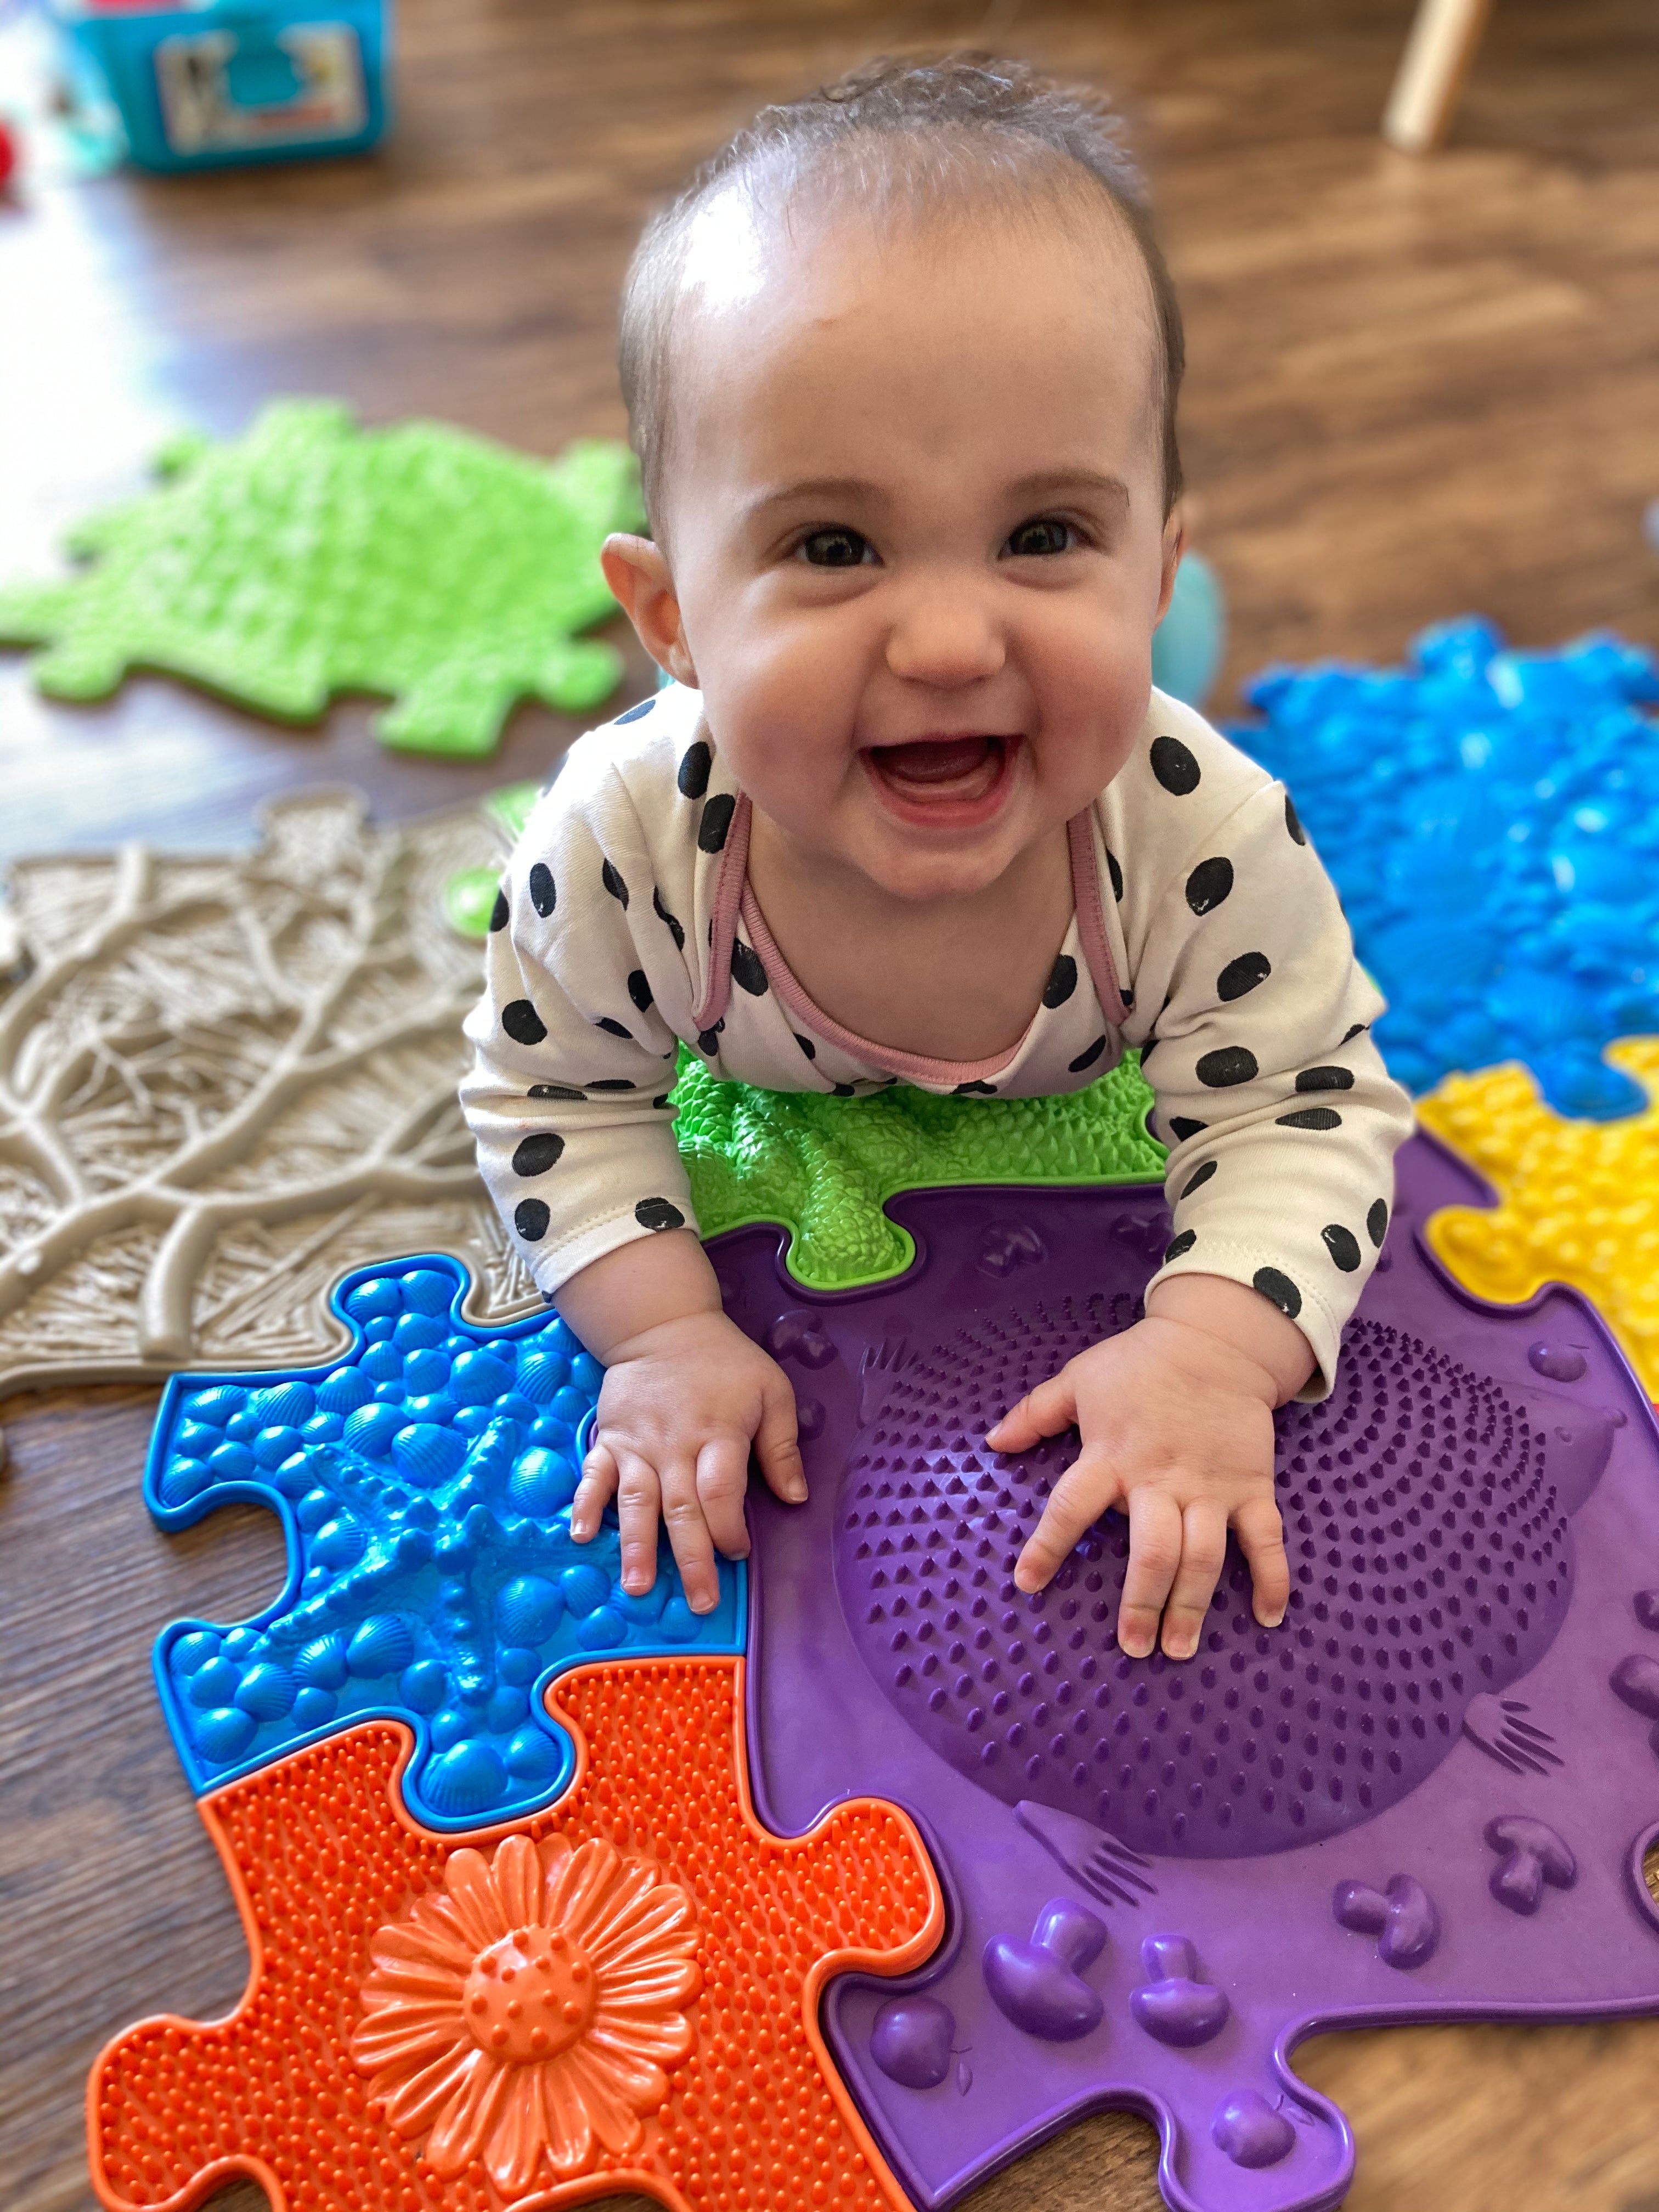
(312, 557)
(823, 1168)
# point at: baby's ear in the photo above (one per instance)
(636, 569)
(1175, 537)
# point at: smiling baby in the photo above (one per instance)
(901, 366)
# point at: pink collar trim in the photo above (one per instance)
(732, 898)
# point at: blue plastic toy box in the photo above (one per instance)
(234, 81)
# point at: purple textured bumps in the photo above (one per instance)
(1469, 1654)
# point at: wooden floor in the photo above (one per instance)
(1415, 389)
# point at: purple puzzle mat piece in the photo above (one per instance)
(1427, 1795)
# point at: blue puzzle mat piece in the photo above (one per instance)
(423, 1480)
(1491, 820)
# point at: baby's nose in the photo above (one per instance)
(945, 634)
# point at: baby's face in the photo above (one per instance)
(918, 544)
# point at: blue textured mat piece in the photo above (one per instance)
(423, 1480)
(1491, 820)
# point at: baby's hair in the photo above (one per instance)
(953, 120)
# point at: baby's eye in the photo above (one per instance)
(836, 548)
(1044, 535)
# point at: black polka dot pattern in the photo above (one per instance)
(1358, 1029)
(1174, 766)
(1128, 998)
(1115, 873)
(709, 1041)
(1209, 884)
(694, 764)
(714, 821)
(1087, 1057)
(639, 988)
(613, 883)
(1293, 821)
(531, 1217)
(1377, 1222)
(1178, 1247)
(1149, 1049)
(1229, 1064)
(974, 1091)
(658, 1213)
(668, 921)
(805, 1044)
(747, 970)
(1182, 1128)
(635, 714)
(1312, 1117)
(613, 1028)
(1199, 1178)
(544, 893)
(556, 1091)
(498, 913)
(1279, 1289)
(1062, 981)
(843, 1090)
(1325, 1078)
(522, 1022)
(535, 1153)
(1342, 1245)
(1243, 974)
(611, 1083)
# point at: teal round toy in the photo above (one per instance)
(1188, 643)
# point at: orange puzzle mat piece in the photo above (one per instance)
(619, 1993)
(1578, 1201)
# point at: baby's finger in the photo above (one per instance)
(1155, 1535)
(639, 1499)
(1043, 1411)
(777, 1444)
(599, 1480)
(722, 1486)
(1203, 1549)
(688, 1533)
(1262, 1540)
(1088, 1487)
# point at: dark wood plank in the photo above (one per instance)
(1415, 388)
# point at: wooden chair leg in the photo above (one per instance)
(1438, 53)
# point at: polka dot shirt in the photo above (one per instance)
(1204, 932)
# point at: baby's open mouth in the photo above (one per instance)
(935, 769)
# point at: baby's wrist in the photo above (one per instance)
(640, 1288)
(1231, 1314)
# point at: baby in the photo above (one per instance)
(901, 366)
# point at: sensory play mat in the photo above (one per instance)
(225, 1078)
(850, 1890)
(312, 557)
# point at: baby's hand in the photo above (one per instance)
(679, 1407)
(1178, 1431)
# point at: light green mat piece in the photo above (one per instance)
(311, 557)
(823, 1168)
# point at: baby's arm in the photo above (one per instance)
(568, 1102)
(1283, 1123)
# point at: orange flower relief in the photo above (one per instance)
(527, 2012)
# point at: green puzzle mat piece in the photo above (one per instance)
(312, 557)
(823, 1168)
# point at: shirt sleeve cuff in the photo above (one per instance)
(1319, 1323)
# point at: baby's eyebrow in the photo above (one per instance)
(1043, 483)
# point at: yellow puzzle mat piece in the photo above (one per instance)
(1578, 1201)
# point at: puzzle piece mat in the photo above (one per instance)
(312, 557)
(620, 1995)
(1428, 1796)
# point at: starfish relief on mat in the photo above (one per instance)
(312, 557)
(224, 1079)
(1578, 1201)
